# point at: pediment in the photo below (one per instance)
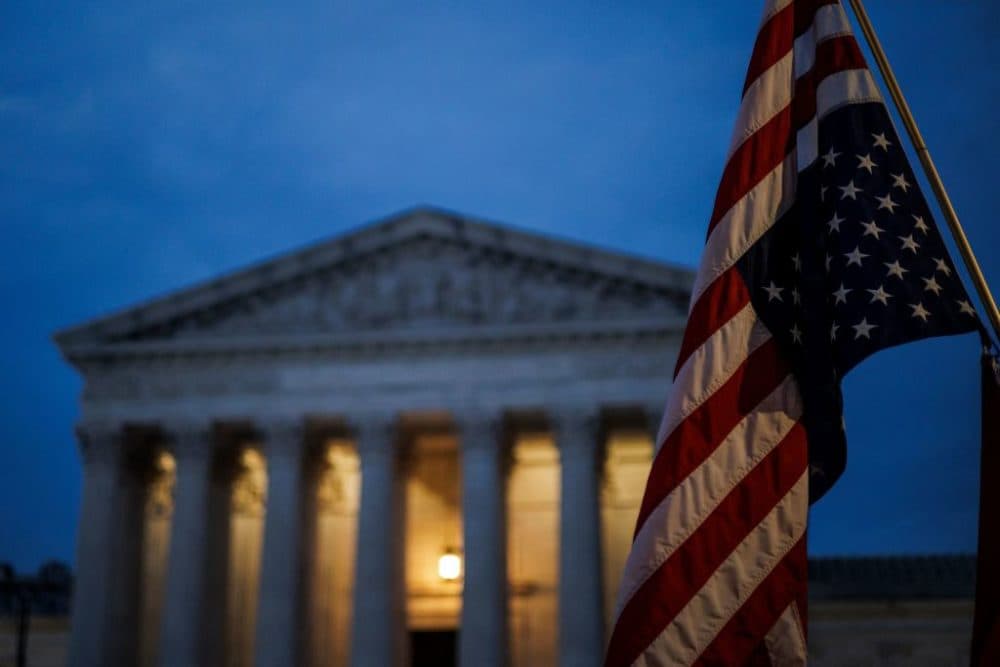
(421, 271)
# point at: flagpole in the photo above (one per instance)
(930, 170)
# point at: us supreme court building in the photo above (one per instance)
(420, 443)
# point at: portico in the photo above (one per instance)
(275, 460)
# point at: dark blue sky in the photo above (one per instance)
(143, 149)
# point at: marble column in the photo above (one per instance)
(581, 623)
(378, 631)
(483, 631)
(101, 451)
(281, 571)
(181, 640)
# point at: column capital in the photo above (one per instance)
(100, 442)
(190, 439)
(576, 426)
(375, 434)
(283, 436)
(480, 429)
(282, 427)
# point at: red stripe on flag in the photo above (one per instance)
(719, 303)
(661, 597)
(697, 436)
(834, 55)
(752, 161)
(741, 636)
(774, 40)
(761, 657)
(777, 37)
(766, 149)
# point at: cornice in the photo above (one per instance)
(397, 342)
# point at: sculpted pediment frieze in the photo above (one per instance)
(426, 283)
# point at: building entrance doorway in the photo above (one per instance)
(433, 648)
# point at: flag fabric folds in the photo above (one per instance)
(821, 250)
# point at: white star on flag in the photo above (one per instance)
(920, 311)
(881, 141)
(849, 190)
(834, 223)
(866, 162)
(880, 295)
(909, 243)
(931, 285)
(895, 269)
(862, 329)
(872, 229)
(886, 202)
(855, 257)
(773, 292)
(830, 159)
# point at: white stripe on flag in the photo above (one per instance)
(853, 86)
(710, 366)
(687, 506)
(772, 7)
(763, 100)
(830, 21)
(731, 584)
(760, 208)
(785, 641)
(772, 90)
(744, 224)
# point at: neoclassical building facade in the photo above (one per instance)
(419, 443)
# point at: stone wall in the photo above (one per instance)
(48, 642)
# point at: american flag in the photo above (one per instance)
(821, 250)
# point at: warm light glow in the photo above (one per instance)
(450, 566)
(165, 462)
(252, 459)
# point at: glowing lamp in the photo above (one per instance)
(450, 565)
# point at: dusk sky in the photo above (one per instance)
(143, 149)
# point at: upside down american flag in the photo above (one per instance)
(821, 250)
